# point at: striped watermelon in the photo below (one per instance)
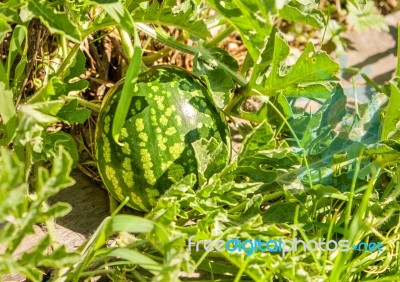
(170, 109)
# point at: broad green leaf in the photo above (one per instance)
(252, 18)
(169, 12)
(304, 14)
(218, 81)
(72, 113)
(313, 68)
(391, 122)
(56, 22)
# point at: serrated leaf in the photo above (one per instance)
(253, 19)
(55, 21)
(312, 68)
(72, 113)
(168, 12)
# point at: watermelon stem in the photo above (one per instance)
(193, 50)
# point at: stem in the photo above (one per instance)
(219, 37)
(126, 42)
(68, 61)
(152, 58)
(352, 189)
(84, 103)
(398, 50)
(267, 197)
(193, 50)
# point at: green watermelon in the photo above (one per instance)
(170, 109)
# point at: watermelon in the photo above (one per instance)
(170, 109)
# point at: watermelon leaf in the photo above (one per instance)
(72, 113)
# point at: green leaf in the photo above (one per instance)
(51, 143)
(7, 112)
(308, 76)
(78, 67)
(118, 13)
(49, 107)
(18, 47)
(51, 91)
(131, 256)
(283, 213)
(168, 12)
(7, 14)
(328, 191)
(218, 81)
(366, 18)
(359, 4)
(4, 28)
(211, 157)
(72, 113)
(59, 177)
(262, 138)
(391, 122)
(56, 22)
(304, 14)
(55, 211)
(252, 18)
